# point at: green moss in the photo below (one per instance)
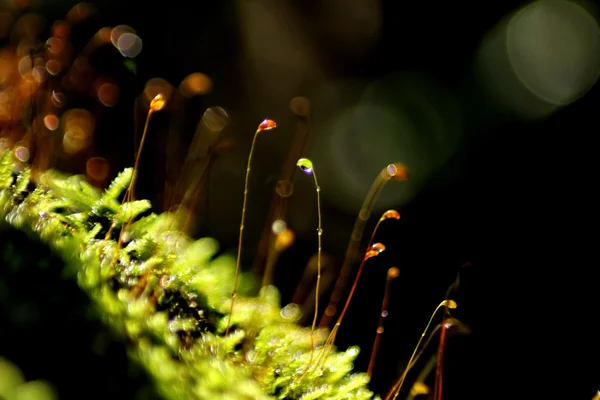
(14, 387)
(167, 297)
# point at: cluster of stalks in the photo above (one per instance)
(184, 196)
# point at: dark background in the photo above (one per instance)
(516, 199)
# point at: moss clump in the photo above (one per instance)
(14, 387)
(167, 298)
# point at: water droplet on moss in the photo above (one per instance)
(291, 312)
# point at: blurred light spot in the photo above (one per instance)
(78, 127)
(22, 153)
(362, 128)
(74, 140)
(39, 74)
(279, 226)
(363, 137)
(108, 94)
(97, 169)
(419, 388)
(195, 84)
(24, 66)
(215, 119)
(79, 13)
(79, 117)
(130, 45)
(24, 48)
(61, 29)
(51, 122)
(284, 239)
(117, 32)
(393, 272)
(27, 86)
(554, 48)
(55, 45)
(543, 57)
(53, 67)
(104, 34)
(156, 86)
(58, 99)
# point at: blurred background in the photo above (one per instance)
(491, 106)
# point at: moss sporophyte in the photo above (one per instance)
(170, 301)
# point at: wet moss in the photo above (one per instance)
(153, 309)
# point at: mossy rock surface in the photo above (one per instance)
(51, 330)
(145, 319)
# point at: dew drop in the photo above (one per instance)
(391, 170)
(375, 250)
(158, 103)
(389, 214)
(379, 247)
(305, 165)
(291, 312)
(266, 125)
(449, 303)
